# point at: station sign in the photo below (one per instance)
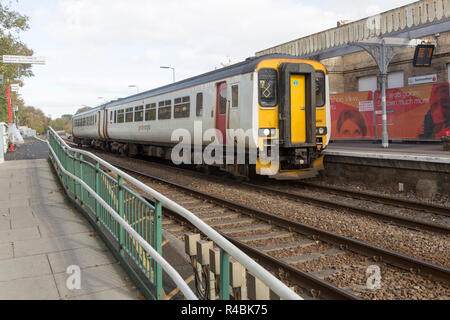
(423, 55)
(15, 88)
(431, 78)
(23, 59)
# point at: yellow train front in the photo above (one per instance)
(294, 117)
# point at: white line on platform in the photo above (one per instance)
(388, 156)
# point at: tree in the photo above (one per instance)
(11, 24)
(83, 109)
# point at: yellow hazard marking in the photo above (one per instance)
(176, 290)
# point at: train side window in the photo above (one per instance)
(182, 107)
(120, 116)
(165, 110)
(267, 84)
(111, 117)
(223, 101)
(320, 89)
(129, 115)
(150, 112)
(235, 96)
(115, 116)
(199, 105)
(138, 113)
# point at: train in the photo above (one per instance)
(275, 102)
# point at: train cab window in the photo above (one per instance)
(165, 110)
(223, 101)
(199, 105)
(182, 107)
(120, 116)
(235, 96)
(139, 113)
(320, 89)
(150, 112)
(129, 115)
(267, 84)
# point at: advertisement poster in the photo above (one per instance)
(352, 115)
(419, 112)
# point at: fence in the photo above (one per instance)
(133, 225)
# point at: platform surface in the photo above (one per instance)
(42, 235)
(431, 152)
(31, 149)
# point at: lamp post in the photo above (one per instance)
(173, 71)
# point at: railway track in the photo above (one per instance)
(294, 248)
(383, 211)
(414, 215)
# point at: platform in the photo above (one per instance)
(41, 235)
(426, 152)
(423, 168)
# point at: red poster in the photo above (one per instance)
(352, 115)
(416, 112)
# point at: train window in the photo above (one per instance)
(235, 96)
(268, 87)
(120, 116)
(115, 116)
(129, 115)
(111, 117)
(182, 107)
(165, 110)
(320, 89)
(199, 105)
(139, 113)
(223, 101)
(150, 112)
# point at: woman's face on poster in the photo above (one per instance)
(440, 107)
(350, 129)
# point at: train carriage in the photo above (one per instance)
(281, 102)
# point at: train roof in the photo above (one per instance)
(249, 65)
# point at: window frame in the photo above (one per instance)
(233, 106)
(182, 103)
(138, 110)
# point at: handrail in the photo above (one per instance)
(173, 274)
(255, 269)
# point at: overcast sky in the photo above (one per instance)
(97, 48)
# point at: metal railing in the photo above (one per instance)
(136, 225)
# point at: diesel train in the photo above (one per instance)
(281, 102)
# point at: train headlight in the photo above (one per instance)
(267, 132)
(320, 131)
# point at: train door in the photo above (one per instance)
(298, 105)
(99, 125)
(298, 108)
(221, 110)
(105, 125)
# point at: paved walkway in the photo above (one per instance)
(42, 235)
(31, 149)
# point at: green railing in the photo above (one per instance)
(140, 215)
(134, 225)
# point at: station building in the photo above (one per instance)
(355, 76)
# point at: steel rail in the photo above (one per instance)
(256, 270)
(384, 199)
(360, 247)
(402, 221)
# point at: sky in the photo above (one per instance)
(96, 49)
